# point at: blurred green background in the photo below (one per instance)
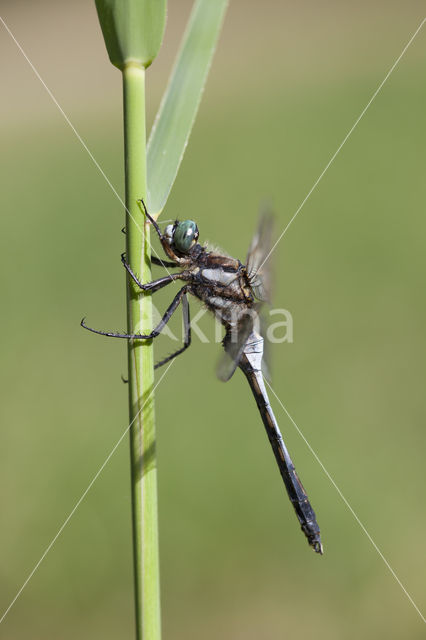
(287, 83)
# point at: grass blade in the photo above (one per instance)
(173, 124)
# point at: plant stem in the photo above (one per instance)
(140, 363)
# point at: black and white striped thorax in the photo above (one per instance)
(222, 284)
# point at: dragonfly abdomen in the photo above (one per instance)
(251, 366)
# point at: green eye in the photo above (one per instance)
(186, 233)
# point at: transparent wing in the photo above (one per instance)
(259, 272)
(259, 324)
(258, 261)
(234, 343)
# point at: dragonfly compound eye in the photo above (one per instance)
(185, 235)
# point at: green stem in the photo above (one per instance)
(141, 369)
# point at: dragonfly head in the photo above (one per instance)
(181, 236)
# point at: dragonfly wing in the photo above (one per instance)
(258, 257)
(234, 343)
(258, 271)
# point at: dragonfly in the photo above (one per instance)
(234, 292)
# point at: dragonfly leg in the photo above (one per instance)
(186, 328)
(154, 260)
(152, 221)
(163, 263)
(168, 249)
(138, 336)
(153, 286)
